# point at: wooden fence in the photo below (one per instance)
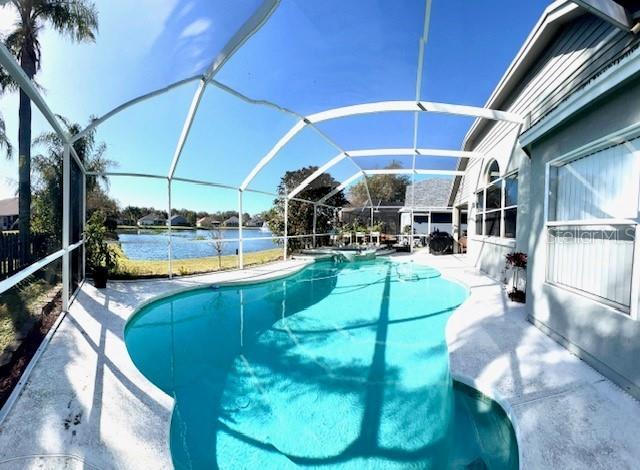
(12, 261)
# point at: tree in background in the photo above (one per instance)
(76, 19)
(131, 214)
(300, 214)
(386, 190)
(47, 200)
(217, 240)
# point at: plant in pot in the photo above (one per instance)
(100, 257)
(518, 262)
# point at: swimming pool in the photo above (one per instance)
(342, 365)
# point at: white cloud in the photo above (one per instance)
(186, 9)
(196, 28)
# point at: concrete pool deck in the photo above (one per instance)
(85, 405)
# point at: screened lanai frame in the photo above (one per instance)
(250, 26)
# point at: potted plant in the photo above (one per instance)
(100, 257)
(518, 262)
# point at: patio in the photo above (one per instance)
(85, 405)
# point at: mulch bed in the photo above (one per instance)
(11, 372)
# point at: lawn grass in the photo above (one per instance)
(19, 306)
(136, 269)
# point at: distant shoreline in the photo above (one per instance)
(176, 227)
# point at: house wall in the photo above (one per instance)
(581, 50)
(602, 335)
(488, 253)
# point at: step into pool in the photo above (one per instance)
(342, 365)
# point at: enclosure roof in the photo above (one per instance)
(250, 90)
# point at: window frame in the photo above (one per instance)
(501, 181)
(611, 140)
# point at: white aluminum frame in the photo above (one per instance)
(15, 71)
(355, 154)
(251, 25)
(340, 187)
(378, 107)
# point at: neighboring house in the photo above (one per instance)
(151, 220)
(255, 221)
(232, 221)
(8, 213)
(179, 221)
(207, 222)
(431, 209)
(564, 187)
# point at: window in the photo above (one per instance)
(592, 207)
(441, 218)
(493, 171)
(496, 204)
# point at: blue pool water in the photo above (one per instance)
(342, 365)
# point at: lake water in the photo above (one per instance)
(153, 244)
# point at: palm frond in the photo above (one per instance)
(51, 140)
(76, 19)
(90, 152)
(15, 40)
(7, 83)
(4, 140)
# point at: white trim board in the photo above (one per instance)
(609, 79)
(608, 10)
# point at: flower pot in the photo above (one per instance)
(517, 295)
(100, 276)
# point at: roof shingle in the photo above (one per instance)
(432, 192)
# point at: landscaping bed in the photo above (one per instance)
(30, 324)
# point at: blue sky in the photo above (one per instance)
(308, 57)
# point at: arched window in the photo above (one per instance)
(496, 203)
(493, 171)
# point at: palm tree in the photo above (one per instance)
(90, 153)
(77, 19)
